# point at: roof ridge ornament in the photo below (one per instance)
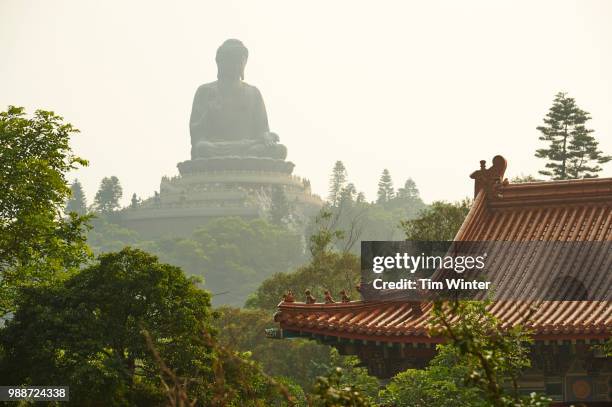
(490, 179)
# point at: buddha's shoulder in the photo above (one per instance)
(212, 87)
(207, 87)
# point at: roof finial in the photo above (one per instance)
(345, 298)
(309, 298)
(288, 297)
(489, 178)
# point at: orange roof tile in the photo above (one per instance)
(408, 322)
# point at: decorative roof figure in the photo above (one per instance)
(328, 297)
(309, 298)
(345, 298)
(289, 296)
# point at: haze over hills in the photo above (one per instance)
(407, 94)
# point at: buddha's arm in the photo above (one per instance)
(198, 117)
(260, 119)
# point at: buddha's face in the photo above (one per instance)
(231, 61)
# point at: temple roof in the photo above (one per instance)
(408, 322)
(566, 211)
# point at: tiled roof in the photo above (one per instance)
(566, 211)
(408, 322)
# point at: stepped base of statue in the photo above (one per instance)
(219, 187)
(235, 163)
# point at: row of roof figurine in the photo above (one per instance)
(310, 299)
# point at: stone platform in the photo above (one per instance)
(217, 187)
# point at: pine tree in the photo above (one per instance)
(572, 152)
(337, 183)
(348, 194)
(409, 191)
(360, 199)
(77, 202)
(385, 188)
(108, 195)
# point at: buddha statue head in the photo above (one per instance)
(231, 59)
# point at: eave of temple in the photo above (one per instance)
(567, 211)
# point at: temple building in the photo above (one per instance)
(391, 336)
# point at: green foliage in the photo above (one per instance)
(232, 255)
(77, 202)
(440, 222)
(337, 182)
(129, 330)
(331, 391)
(385, 188)
(106, 236)
(327, 270)
(358, 220)
(108, 195)
(235, 255)
(37, 244)
(572, 151)
(86, 331)
(299, 360)
(489, 353)
(409, 191)
(605, 348)
(441, 384)
(353, 375)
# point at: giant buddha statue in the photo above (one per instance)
(228, 117)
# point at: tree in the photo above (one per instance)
(328, 269)
(441, 384)
(120, 329)
(407, 200)
(331, 391)
(230, 250)
(77, 202)
(37, 243)
(440, 222)
(488, 353)
(409, 192)
(299, 360)
(348, 195)
(108, 195)
(385, 188)
(337, 183)
(572, 152)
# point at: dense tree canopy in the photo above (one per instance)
(231, 255)
(37, 242)
(86, 332)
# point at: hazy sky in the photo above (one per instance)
(425, 89)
